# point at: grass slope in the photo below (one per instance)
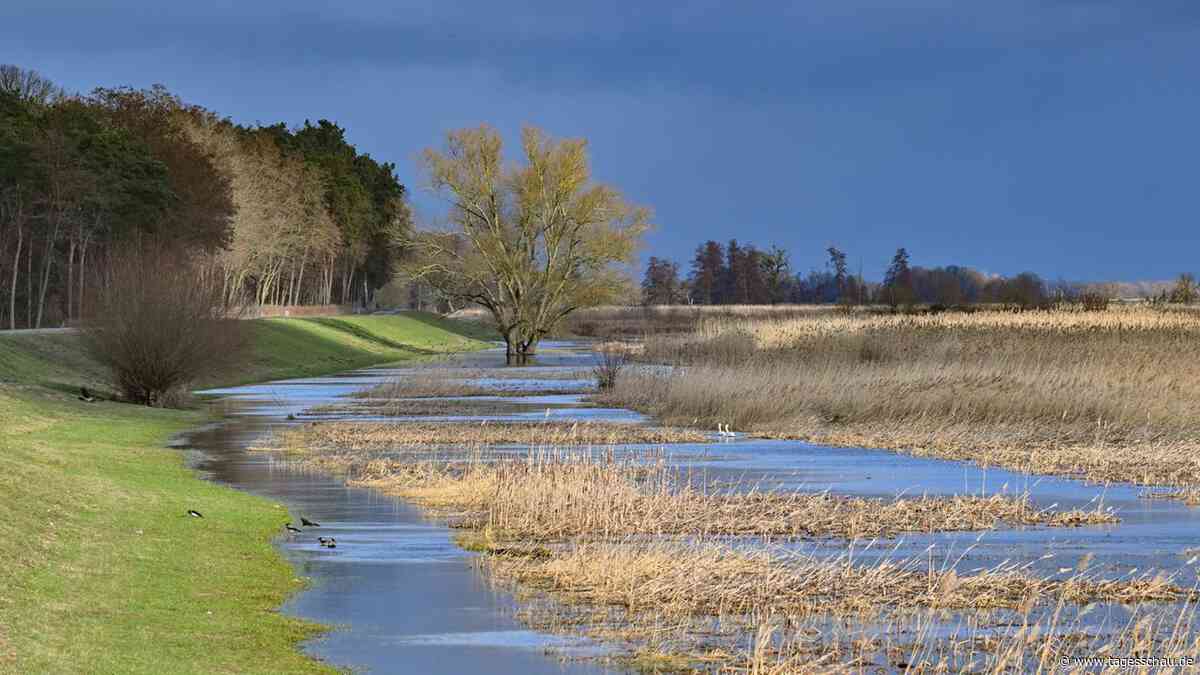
(279, 348)
(284, 348)
(101, 570)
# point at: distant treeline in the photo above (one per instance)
(742, 274)
(284, 216)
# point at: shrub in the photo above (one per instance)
(160, 324)
(1093, 301)
(612, 362)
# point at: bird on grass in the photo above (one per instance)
(327, 542)
(86, 396)
(195, 514)
(289, 528)
(308, 523)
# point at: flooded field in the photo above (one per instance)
(398, 590)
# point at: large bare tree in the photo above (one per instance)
(531, 242)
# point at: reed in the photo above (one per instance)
(357, 437)
(1106, 396)
(714, 608)
(554, 495)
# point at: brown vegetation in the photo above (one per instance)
(364, 436)
(553, 495)
(719, 580)
(715, 608)
(1107, 396)
(159, 326)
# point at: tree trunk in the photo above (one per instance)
(71, 278)
(82, 257)
(29, 283)
(12, 297)
(50, 238)
(300, 279)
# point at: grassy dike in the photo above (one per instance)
(100, 568)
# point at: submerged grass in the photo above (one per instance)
(429, 385)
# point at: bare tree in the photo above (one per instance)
(27, 85)
(531, 243)
(161, 323)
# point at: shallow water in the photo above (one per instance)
(407, 599)
(402, 597)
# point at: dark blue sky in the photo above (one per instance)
(1057, 136)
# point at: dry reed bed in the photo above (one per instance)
(1036, 638)
(366, 436)
(680, 579)
(1107, 396)
(551, 496)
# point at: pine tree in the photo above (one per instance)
(707, 275)
(732, 290)
(897, 281)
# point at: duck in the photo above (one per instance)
(194, 513)
(86, 396)
(327, 542)
(289, 528)
(308, 523)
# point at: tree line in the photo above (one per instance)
(743, 274)
(275, 215)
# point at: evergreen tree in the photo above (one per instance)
(661, 285)
(837, 264)
(897, 281)
(707, 273)
(732, 290)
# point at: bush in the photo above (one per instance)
(612, 362)
(1093, 301)
(160, 324)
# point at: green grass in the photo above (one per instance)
(102, 571)
(283, 348)
(279, 348)
(100, 568)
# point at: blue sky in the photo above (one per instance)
(1059, 136)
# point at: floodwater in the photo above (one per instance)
(404, 598)
(401, 596)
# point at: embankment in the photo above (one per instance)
(102, 570)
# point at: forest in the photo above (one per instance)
(280, 215)
(743, 274)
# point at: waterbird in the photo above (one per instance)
(289, 528)
(308, 523)
(195, 514)
(85, 395)
(327, 542)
